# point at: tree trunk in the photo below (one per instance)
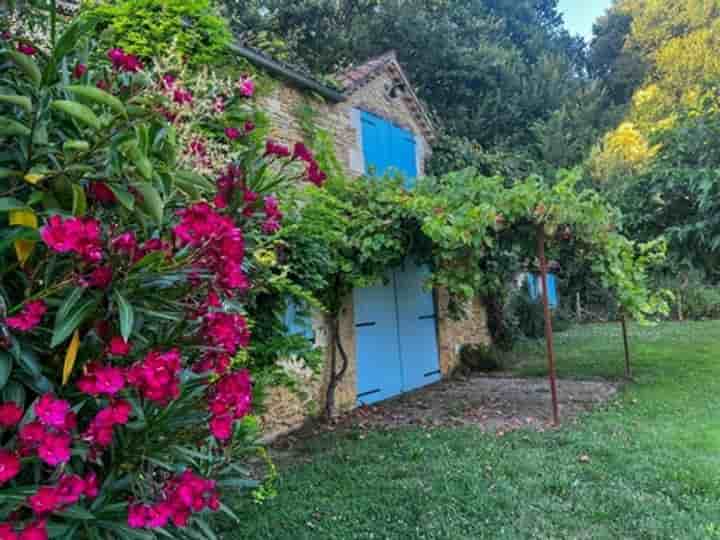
(548, 324)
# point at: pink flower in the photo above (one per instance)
(54, 449)
(45, 500)
(7, 532)
(232, 133)
(101, 193)
(91, 488)
(222, 427)
(76, 235)
(302, 152)
(52, 412)
(168, 81)
(246, 87)
(99, 379)
(102, 85)
(124, 62)
(183, 495)
(30, 316)
(125, 243)
(119, 347)
(100, 430)
(79, 70)
(273, 148)
(157, 377)
(99, 278)
(27, 49)
(230, 399)
(10, 414)
(9, 466)
(273, 215)
(226, 331)
(315, 175)
(249, 126)
(182, 96)
(35, 531)
(221, 242)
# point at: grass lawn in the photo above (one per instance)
(653, 469)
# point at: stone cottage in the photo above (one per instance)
(397, 335)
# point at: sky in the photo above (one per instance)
(580, 14)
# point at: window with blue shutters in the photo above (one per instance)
(388, 148)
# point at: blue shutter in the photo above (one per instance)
(298, 324)
(387, 147)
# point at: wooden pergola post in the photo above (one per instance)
(548, 324)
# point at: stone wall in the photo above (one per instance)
(453, 334)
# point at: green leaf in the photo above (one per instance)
(98, 96)
(123, 196)
(68, 304)
(66, 326)
(6, 364)
(76, 513)
(29, 362)
(20, 101)
(14, 391)
(79, 112)
(127, 315)
(8, 173)
(76, 146)
(27, 65)
(140, 161)
(65, 44)
(79, 200)
(13, 128)
(152, 203)
(8, 203)
(194, 179)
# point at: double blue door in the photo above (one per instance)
(396, 336)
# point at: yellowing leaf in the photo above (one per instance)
(71, 356)
(27, 218)
(34, 178)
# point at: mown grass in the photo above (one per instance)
(653, 469)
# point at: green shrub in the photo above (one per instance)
(702, 302)
(147, 28)
(530, 316)
(480, 357)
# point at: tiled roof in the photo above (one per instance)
(358, 76)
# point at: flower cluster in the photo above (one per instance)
(229, 400)
(246, 87)
(157, 376)
(36, 530)
(314, 173)
(68, 491)
(273, 215)
(183, 495)
(74, 235)
(228, 332)
(100, 430)
(221, 244)
(30, 316)
(102, 380)
(122, 61)
(50, 435)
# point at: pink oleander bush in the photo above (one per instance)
(136, 235)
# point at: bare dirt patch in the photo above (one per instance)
(497, 404)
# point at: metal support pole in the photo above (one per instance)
(548, 324)
(628, 367)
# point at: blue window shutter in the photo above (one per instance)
(388, 147)
(296, 323)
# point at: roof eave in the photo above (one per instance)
(277, 68)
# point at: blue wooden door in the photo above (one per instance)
(379, 371)
(395, 336)
(417, 328)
